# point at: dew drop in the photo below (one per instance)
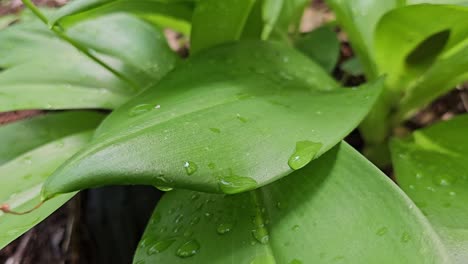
(452, 193)
(165, 188)
(305, 152)
(242, 119)
(195, 196)
(261, 235)
(140, 109)
(211, 165)
(224, 228)
(444, 180)
(382, 231)
(405, 237)
(179, 218)
(190, 167)
(295, 227)
(160, 246)
(236, 184)
(195, 220)
(188, 249)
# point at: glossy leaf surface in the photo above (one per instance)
(221, 122)
(338, 209)
(432, 168)
(172, 13)
(51, 74)
(31, 151)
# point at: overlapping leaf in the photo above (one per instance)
(432, 167)
(428, 58)
(31, 151)
(42, 71)
(173, 13)
(217, 22)
(341, 210)
(321, 45)
(222, 122)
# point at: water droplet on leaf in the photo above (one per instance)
(160, 246)
(236, 184)
(305, 153)
(188, 249)
(190, 167)
(224, 228)
(140, 109)
(444, 180)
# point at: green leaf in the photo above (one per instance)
(321, 45)
(31, 151)
(352, 66)
(172, 13)
(289, 19)
(359, 19)
(42, 71)
(338, 209)
(431, 166)
(221, 122)
(428, 58)
(216, 22)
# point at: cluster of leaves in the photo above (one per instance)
(253, 103)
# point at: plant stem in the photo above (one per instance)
(59, 33)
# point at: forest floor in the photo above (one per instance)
(64, 237)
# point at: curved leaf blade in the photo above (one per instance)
(431, 167)
(221, 115)
(176, 13)
(28, 163)
(429, 58)
(217, 22)
(133, 47)
(342, 209)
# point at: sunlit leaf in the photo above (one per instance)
(42, 71)
(338, 209)
(221, 122)
(432, 168)
(31, 151)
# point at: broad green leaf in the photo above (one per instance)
(428, 58)
(172, 13)
(31, 151)
(321, 45)
(271, 11)
(221, 122)
(216, 22)
(359, 19)
(338, 209)
(42, 71)
(431, 166)
(20, 137)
